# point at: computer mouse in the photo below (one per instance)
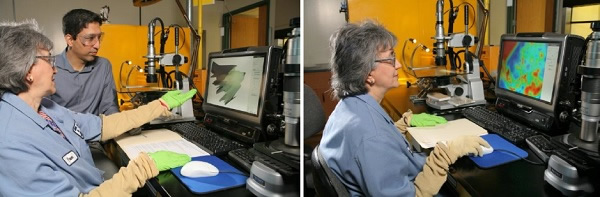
(195, 169)
(487, 150)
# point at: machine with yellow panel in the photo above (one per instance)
(125, 46)
(167, 68)
(445, 80)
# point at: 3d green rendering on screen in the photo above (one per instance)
(228, 80)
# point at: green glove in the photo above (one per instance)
(166, 160)
(175, 98)
(426, 120)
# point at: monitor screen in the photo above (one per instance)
(239, 84)
(235, 82)
(537, 82)
(529, 68)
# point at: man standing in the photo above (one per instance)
(84, 81)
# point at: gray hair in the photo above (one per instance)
(19, 44)
(354, 48)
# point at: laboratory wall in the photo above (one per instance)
(49, 14)
(280, 12)
(322, 18)
(497, 21)
(540, 20)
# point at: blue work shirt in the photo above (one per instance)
(91, 90)
(37, 161)
(367, 152)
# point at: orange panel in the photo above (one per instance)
(490, 55)
(244, 31)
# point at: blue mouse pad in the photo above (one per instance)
(228, 177)
(502, 152)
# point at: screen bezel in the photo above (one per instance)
(517, 98)
(238, 115)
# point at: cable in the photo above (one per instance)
(473, 23)
(457, 58)
(195, 48)
(120, 72)
(170, 81)
(524, 159)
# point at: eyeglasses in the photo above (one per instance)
(51, 59)
(91, 39)
(389, 60)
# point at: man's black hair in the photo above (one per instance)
(76, 20)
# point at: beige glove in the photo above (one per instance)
(404, 122)
(434, 174)
(128, 179)
(116, 124)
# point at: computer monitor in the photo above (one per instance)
(241, 86)
(537, 79)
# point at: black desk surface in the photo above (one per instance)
(518, 178)
(166, 183)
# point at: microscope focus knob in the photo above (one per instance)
(459, 91)
(563, 116)
(271, 129)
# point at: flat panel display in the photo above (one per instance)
(529, 68)
(235, 82)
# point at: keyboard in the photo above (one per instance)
(510, 130)
(544, 147)
(245, 158)
(541, 146)
(209, 141)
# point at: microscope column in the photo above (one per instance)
(291, 90)
(440, 49)
(590, 87)
(151, 76)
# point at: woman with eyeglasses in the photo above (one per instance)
(43, 149)
(360, 143)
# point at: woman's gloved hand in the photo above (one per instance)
(426, 120)
(166, 160)
(128, 179)
(429, 181)
(466, 145)
(175, 98)
(404, 122)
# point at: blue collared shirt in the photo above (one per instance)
(367, 152)
(91, 90)
(37, 161)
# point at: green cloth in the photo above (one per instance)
(426, 120)
(166, 160)
(175, 98)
